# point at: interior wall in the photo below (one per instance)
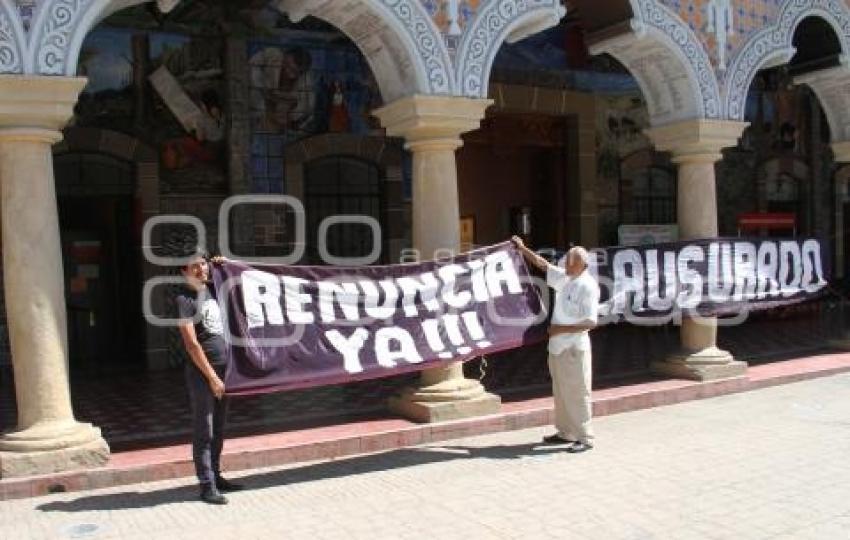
(508, 165)
(489, 184)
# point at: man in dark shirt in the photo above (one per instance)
(202, 329)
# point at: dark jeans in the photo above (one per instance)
(208, 415)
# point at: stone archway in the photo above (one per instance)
(664, 55)
(494, 24)
(12, 40)
(774, 45)
(384, 153)
(399, 40)
(57, 31)
(824, 70)
(147, 193)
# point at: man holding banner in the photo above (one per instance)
(574, 314)
(202, 329)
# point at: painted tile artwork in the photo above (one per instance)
(724, 21)
(166, 87)
(296, 87)
(451, 15)
(300, 87)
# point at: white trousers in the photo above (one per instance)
(571, 383)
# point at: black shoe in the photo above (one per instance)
(556, 439)
(223, 484)
(210, 495)
(578, 447)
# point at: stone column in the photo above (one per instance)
(432, 126)
(47, 438)
(696, 146)
(841, 155)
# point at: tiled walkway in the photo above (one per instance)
(769, 464)
(149, 409)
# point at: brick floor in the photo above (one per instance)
(756, 465)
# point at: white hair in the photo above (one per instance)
(579, 252)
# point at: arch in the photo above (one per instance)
(830, 82)
(668, 61)
(339, 185)
(12, 38)
(816, 46)
(494, 24)
(402, 44)
(830, 86)
(774, 45)
(58, 30)
(365, 147)
(386, 154)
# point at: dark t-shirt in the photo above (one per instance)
(203, 309)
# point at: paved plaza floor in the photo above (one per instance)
(770, 463)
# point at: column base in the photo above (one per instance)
(842, 343)
(50, 448)
(706, 365)
(454, 399)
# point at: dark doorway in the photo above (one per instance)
(101, 261)
(342, 185)
(512, 178)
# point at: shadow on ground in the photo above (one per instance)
(396, 459)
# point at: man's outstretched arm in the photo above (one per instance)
(532, 258)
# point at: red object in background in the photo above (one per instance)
(766, 220)
(185, 152)
(85, 251)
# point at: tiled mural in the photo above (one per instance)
(27, 10)
(707, 18)
(704, 17)
(300, 87)
(452, 16)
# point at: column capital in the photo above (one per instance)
(432, 122)
(696, 141)
(34, 134)
(37, 102)
(841, 151)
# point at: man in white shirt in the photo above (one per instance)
(574, 314)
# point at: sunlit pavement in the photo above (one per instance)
(770, 463)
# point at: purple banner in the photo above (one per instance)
(301, 326)
(652, 284)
